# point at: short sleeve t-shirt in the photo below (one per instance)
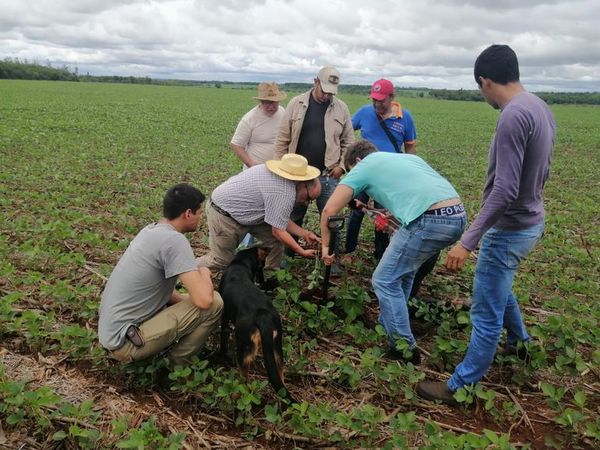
(256, 132)
(402, 183)
(143, 280)
(400, 125)
(311, 143)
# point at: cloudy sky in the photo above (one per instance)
(422, 43)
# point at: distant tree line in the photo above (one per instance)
(115, 79)
(581, 98)
(16, 69)
(578, 98)
(453, 94)
(360, 89)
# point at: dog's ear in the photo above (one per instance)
(262, 253)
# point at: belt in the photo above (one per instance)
(447, 210)
(219, 209)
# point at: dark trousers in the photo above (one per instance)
(425, 269)
(328, 185)
(353, 230)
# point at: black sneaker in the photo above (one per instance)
(413, 355)
(161, 378)
(205, 353)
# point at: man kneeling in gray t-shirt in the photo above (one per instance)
(141, 313)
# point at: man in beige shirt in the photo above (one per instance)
(254, 138)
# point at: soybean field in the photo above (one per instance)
(84, 166)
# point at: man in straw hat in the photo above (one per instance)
(318, 126)
(254, 138)
(259, 201)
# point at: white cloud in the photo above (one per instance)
(428, 43)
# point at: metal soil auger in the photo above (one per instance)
(335, 225)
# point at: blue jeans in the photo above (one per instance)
(409, 248)
(381, 242)
(494, 304)
(328, 185)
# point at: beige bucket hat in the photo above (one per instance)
(293, 167)
(270, 92)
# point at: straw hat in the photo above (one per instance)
(270, 92)
(293, 167)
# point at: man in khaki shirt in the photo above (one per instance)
(318, 126)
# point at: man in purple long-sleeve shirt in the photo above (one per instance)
(511, 219)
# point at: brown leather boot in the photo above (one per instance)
(436, 390)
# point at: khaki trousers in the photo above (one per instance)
(225, 234)
(182, 328)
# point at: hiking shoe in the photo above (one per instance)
(336, 270)
(412, 356)
(161, 378)
(205, 353)
(436, 390)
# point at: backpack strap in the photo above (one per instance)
(388, 134)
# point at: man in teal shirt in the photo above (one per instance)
(432, 218)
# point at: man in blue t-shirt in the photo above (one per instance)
(372, 121)
(510, 222)
(432, 218)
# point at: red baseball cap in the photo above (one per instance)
(381, 89)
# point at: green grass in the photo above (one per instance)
(83, 167)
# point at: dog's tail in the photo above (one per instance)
(270, 333)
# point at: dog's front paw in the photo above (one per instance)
(270, 284)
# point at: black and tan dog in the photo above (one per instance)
(257, 322)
